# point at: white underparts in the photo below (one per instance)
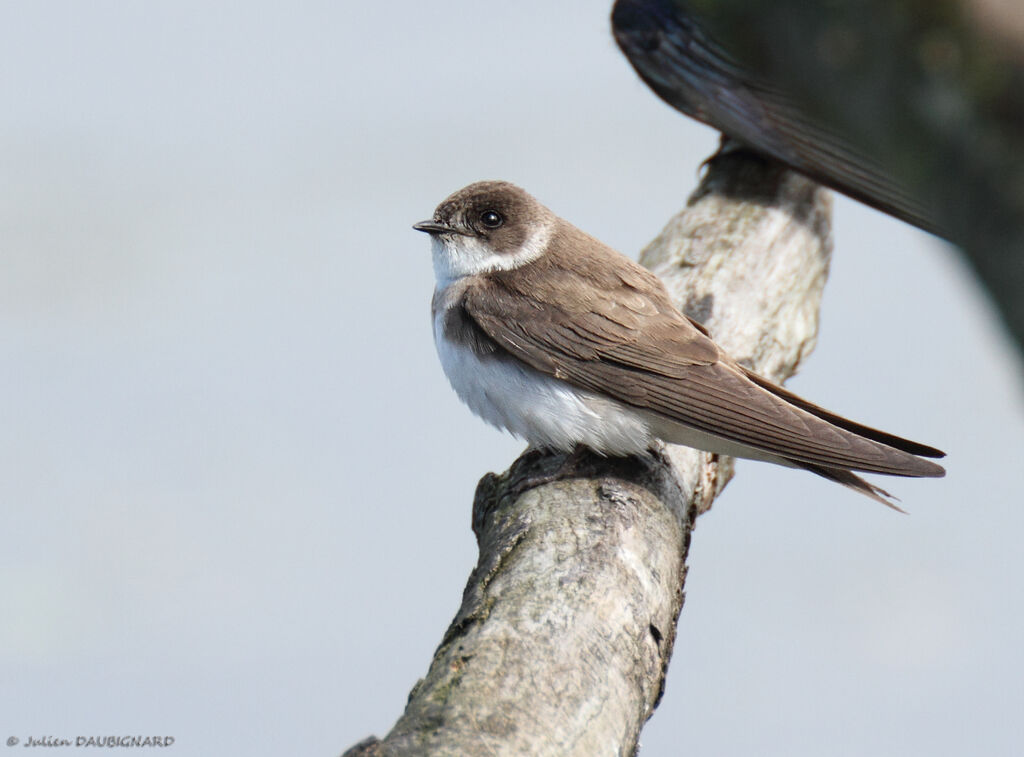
(544, 411)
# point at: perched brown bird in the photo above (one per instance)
(555, 337)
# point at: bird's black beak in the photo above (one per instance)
(433, 227)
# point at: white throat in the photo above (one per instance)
(456, 255)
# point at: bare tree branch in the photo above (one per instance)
(568, 621)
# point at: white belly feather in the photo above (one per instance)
(546, 412)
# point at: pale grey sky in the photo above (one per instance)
(236, 488)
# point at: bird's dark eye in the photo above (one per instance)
(491, 219)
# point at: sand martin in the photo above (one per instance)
(548, 333)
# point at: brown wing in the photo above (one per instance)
(647, 355)
(914, 448)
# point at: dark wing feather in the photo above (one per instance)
(657, 361)
(695, 75)
(855, 482)
(914, 448)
